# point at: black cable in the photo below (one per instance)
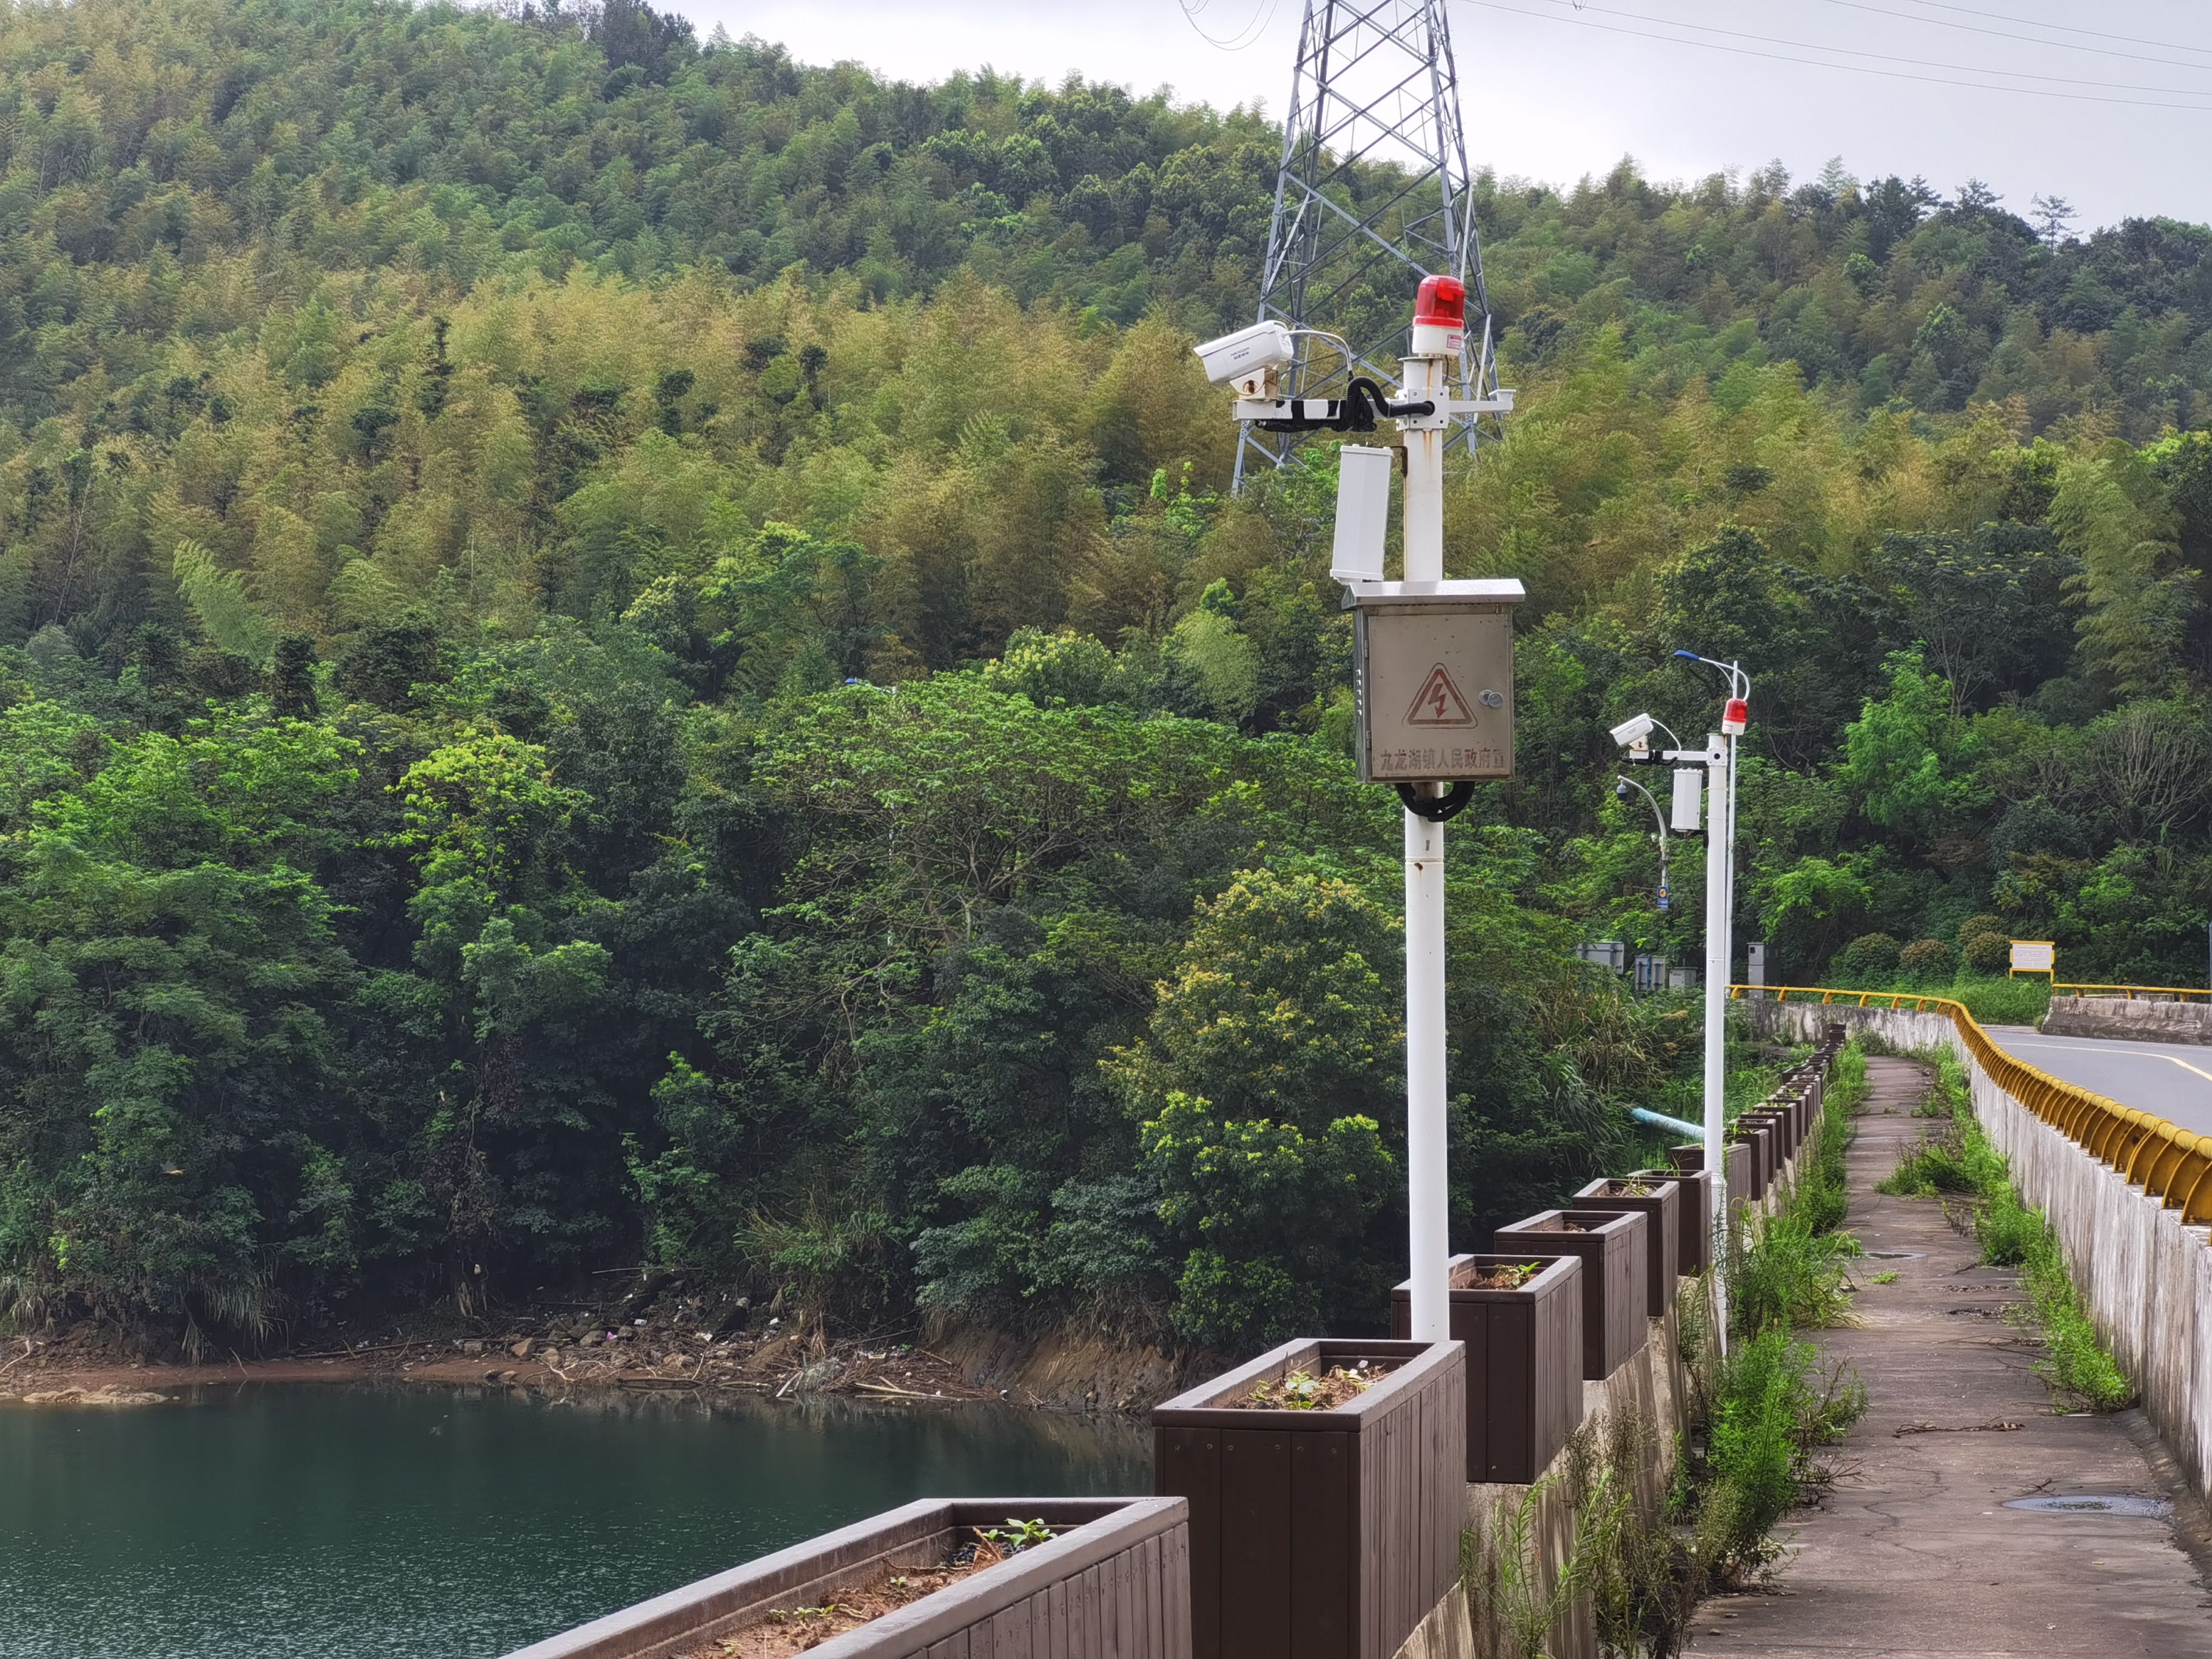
(1917, 63)
(2059, 29)
(1848, 68)
(1362, 404)
(1438, 809)
(2006, 35)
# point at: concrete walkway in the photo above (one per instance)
(1915, 1552)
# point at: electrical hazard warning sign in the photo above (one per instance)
(1439, 702)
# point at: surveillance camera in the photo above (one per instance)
(1247, 353)
(1634, 729)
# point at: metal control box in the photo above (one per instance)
(1433, 672)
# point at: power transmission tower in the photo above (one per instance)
(1372, 195)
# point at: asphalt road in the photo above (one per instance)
(2172, 1079)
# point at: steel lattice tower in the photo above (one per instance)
(1372, 195)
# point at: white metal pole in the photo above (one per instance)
(1719, 818)
(1428, 1191)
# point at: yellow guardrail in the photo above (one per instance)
(2132, 992)
(2168, 1162)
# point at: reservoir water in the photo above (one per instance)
(419, 1523)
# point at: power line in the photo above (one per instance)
(1848, 68)
(1262, 14)
(1887, 58)
(2060, 28)
(2006, 35)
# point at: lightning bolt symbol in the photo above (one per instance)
(1440, 702)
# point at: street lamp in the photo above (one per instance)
(1720, 759)
(1621, 786)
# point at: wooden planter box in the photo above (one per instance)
(1691, 1158)
(1114, 1585)
(1524, 1362)
(1694, 1241)
(1782, 1142)
(1319, 1535)
(1663, 1244)
(1612, 1248)
(1763, 1161)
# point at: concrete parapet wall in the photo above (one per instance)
(2145, 1279)
(1650, 1386)
(2137, 1018)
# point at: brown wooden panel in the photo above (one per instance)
(1122, 1609)
(1447, 1485)
(1178, 1594)
(1052, 1621)
(1187, 1464)
(1501, 1412)
(1256, 1493)
(1144, 1587)
(1558, 1370)
(1009, 1632)
(952, 1647)
(1102, 1621)
(1626, 1282)
(1085, 1630)
(1142, 1573)
(1321, 1547)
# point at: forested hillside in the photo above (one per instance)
(612, 645)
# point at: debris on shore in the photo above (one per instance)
(655, 1337)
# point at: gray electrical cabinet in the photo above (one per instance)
(1432, 671)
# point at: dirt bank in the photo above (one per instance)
(654, 1338)
(1073, 1371)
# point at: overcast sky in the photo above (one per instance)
(1553, 89)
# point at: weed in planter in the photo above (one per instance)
(1628, 1189)
(1303, 1391)
(1510, 1277)
(1017, 1535)
(786, 1632)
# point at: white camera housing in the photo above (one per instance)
(1242, 359)
(1634, 729)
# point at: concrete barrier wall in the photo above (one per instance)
(2137, 1018)
(2145, 1279)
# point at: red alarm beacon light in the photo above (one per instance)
(1440, 318)
(1736, 718)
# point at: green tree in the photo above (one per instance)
(1263, 1082)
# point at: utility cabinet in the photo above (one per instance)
(1433, 672)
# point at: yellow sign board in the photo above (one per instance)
(2035, 956)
